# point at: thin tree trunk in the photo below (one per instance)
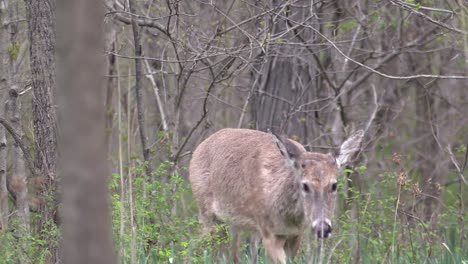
(150, 76)
(138, 89)
(86, 225)
(18, 182)
(4, 210)
(109, 106)
(133, 249)
(121, 167)
(110, 83)
(428, 151)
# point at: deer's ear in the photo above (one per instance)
(349, 148)
(287, 148)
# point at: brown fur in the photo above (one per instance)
(242, 178)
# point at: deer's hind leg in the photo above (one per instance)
(254, 239)
(235, 245)
(207, 220)
(214, 234)
(237, 238)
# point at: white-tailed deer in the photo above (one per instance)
(261, 182)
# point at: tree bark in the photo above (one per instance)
(42, 53)
(41, 22)
(86, 225)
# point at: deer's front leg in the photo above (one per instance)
(292, 245)
(274, 246)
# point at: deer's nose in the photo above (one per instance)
(322, 228)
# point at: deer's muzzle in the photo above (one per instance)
(322, 228)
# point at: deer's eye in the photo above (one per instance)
(333, 187)
(306, 187)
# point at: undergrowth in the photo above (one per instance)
(154, 220)
(379, 226)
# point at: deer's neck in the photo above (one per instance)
(290, 201)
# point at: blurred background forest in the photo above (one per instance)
(177, 71)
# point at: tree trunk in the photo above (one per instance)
(42, 52)
(86, 225)
(41, 22)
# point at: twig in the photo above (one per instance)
(150, 76)
(7, 23)
(237, 25)
(372, 69)
(140, 20)
(374, 113)
(455, 163)
(113, 12)
(205, 111)
(409, 77)
(388, 58)
(416, 11)
(25, 90)
(431, 9)
(195, 59)
(466, 154)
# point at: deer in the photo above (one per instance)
(265, 183)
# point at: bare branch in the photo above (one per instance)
(466, 154)
(415, 10)
(374, 113)
(455, 163)
(140, 20)
(431, 9)
(150, 76)
(384, 74)
(373, 70)
(175, 157)
(20, 143)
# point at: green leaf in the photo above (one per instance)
(461, 149)
(362, 168)
(348, 25)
